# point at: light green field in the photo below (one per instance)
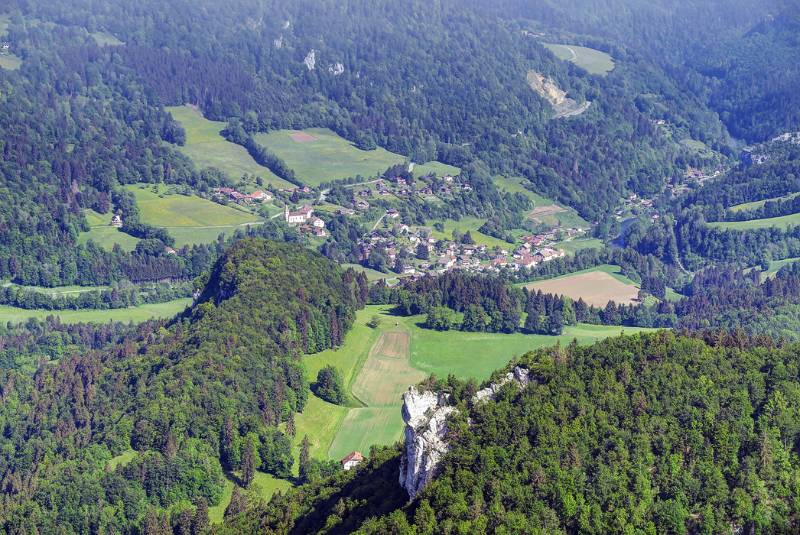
(545, 210)
(589, 59)
(578, 244)
(7, 61)
(188, 218)
(106, 39)
(471, 224)
(372, 275)
(131, 314)
(263, 486)
(58, 290)
(758, 204)
(335, 431)
(775, 266)
(104, 234)
(331, 157)
(122, 459)
(782, 222)
(206, 147)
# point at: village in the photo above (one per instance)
(392, 246)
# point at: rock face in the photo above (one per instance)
(311, 60)
(519, 376)
(425, 415)
(563, 106)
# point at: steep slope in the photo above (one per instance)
(189, 397)
(650, 434)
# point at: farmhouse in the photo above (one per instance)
(299, 217)
(116, 221)
(259, 195)
(392, 213)
(352, 459)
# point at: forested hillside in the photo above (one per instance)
(184, 399)
(651, 433)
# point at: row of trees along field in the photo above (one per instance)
(203, 393)
(656, 433)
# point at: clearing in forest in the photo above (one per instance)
(595, 286)
(589, 59)
(318, 155)
(206, 147)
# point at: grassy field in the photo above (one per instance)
(135, 314)
(578, 244)
(597, 286)
(781, 222)
(775, 266)
(379, 364)
(7, 61)
(188, 218)
(372, 275)
(263, 485)
(206, 147)
(106, 39)
(58, 290)
(545, 210)
(758, 204)
(103, 234)
(589, 59)
(320, 155)
(471, 224)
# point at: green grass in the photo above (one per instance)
(782, 222)
(331, 157)
(567, 217)
(106, 39)
(136, 314)
(206, 147)
(589, 59)
(263, 486)
(216, 513)
(758, 204)
(613, 270)
(122, 459)
(471, 224)
(335, 431)
(59, 290)
(372, 275)
(8, 61)
(188, 218)
(108, 236)
(672, 295)
(578, 244)
(775, 266)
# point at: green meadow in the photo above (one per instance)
(545, 210)
(323, 156)
(335, 431)
(136, 314)
(8, 61)
(782, 222)
(106, 39)
(188, 218)
(758, 204)
(471, 225)
(589, 59)
(103, 234)
(206, 147)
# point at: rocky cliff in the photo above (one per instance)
(425, 415)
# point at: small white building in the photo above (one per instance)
(352, 460)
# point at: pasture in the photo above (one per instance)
(58, 290)
(471, 225)
(103, 234)
(188, 218)
(318, 155)
(758, 204)
(782, 222)
(379, 364)
(135, 314)
(591, 60)
(596, 286)
(8, 60)
(206, 147)
(545, 210)
(106, 39)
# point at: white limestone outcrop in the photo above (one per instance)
(425, 415)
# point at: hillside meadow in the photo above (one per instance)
(318, 155)
(135, 314)
(588, 59)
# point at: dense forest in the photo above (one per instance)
(189, 396)
(650, 433)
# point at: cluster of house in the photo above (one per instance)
(242, 198)
(446, 255)
(305, 220)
